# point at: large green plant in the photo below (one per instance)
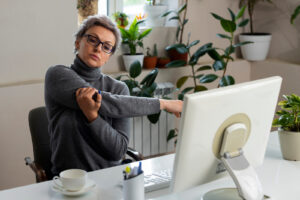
(251, 5)
(145, 88)
(181, 18)
(133, 37)
(289, 115)
(220, 63)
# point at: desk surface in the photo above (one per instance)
(280, 180)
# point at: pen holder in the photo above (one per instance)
(133, 188)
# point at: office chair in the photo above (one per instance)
(41, 166)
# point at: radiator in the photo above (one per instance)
(151, 139)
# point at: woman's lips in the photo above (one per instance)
(94, 57)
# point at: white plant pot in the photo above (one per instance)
(154, 13)
(258, 50)
(289, 144)
(129, 59)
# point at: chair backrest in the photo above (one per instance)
(38, 124)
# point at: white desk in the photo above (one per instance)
(280, 179)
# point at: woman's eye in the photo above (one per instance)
(107, 47)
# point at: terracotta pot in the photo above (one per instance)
(150, 62)
(161, 62)
(175, 55)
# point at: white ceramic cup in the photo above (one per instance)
(133, 188)
(71, 179)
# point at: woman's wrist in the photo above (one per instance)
(162, 104)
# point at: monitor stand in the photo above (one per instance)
(242, 173)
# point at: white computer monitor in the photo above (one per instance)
(204, 118)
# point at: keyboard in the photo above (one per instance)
(157, 180)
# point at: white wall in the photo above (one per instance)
(34, 35)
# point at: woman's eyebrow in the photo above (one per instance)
(95, 35)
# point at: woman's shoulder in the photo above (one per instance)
(59, 70)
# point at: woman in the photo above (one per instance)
(89, 130)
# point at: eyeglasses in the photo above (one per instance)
(95, 42)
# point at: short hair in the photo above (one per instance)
(99, 20)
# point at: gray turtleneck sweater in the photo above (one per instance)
(74, 142)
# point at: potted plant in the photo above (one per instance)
(258, 50)
(163, 61)
(153, 10)
(86, 8)
(175, 51)
(145, 88)
(288, 122)
(220, 63)
(150, 60)
(133, 38)
(121, 19)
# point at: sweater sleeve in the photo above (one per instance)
(62, 82)
(117, 106)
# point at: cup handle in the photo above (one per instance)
(57, 181)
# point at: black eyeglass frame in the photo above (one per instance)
(98, 43)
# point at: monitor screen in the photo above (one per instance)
(205, 117)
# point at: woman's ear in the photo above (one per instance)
(77, 44)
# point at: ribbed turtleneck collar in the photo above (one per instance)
(86, 72)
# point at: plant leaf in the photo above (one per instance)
(223, 36)
(154, 117)
(144, 33)
(186, 90)
(180, 96)
(218, 65)
(150, 78)
(167, 13)
(199, 76)
(202, 68)
(135, 69)
(174, 46)
(226, 80)
(228, 26)
(185, 21)
(174, 18)
(193, 44)
(229, 50)
(242, 43)
(200, 52)
(214, 54)
(208, 78)
(231, 14)
(200, 88)
(295, 14)
(172, 134)
(243, 23)
(176, 63)
(217, 16)
(241, 12)
(181, 81)
(182, 8)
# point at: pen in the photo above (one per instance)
(99, 92)
(140, 168)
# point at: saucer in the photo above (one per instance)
(88, 186)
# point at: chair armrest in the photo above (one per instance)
(134, 154)
(39, 172)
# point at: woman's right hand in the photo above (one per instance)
(172, 106)
(86, 102)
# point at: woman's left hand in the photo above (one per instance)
(89, 106)
(173, 106)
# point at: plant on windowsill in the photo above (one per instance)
(121, 19)
(150, 60)
(295, 14)
(86, 8)
(145, 88)
(154, 10)
(220, 60)
(133, 38)
(178, 51)
(261, 41)
(288, 123)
